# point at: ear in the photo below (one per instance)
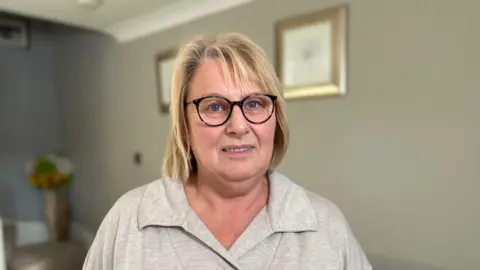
(192, 161)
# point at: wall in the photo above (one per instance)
(399, 154)
(28, 121)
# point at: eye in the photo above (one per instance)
(215, 107)
(253, 104)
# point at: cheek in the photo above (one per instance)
(204, 139)
(266, 134)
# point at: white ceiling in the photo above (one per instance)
(126, 20)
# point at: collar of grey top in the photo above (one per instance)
(289, 209)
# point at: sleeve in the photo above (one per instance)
(101, 254)
(352, 255)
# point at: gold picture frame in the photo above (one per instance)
(311, 54)
(164, 62)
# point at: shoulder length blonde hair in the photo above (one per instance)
(248, 62)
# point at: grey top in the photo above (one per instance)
(153, 227)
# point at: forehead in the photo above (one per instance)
(213, 76)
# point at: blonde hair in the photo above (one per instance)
(249, 64)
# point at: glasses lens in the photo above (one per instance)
(258, 108)
(214, 110)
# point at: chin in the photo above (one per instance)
(242, 173)
(238, 177)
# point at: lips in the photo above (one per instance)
(237, 148)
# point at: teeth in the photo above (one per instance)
(236, 150)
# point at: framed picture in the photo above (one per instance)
(13, 32)
(311, 53)
(164, 63)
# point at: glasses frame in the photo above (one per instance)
(239, 103)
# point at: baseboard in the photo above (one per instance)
(29, 232)
(81, 234)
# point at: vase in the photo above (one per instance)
(56, 215)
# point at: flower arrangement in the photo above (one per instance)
(50, 172)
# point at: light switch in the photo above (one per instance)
(137, 158)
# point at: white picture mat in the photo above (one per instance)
(307, 54)
(165, 68)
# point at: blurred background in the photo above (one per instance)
(399, 153)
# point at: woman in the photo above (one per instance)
(220, 204)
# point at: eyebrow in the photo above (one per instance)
(217, 94)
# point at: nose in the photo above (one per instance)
(237, 124)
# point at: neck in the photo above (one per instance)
(222, 195)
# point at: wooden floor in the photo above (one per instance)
(45, 256)
(49, 256)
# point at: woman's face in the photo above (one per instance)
(238, 149)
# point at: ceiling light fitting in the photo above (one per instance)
(89, 3)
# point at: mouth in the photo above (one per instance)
(237, 149)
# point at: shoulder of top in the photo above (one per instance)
(131, 199)
(324, 208)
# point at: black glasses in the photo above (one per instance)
(215, 110)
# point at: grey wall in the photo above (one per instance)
(399, 154)
(28, 120)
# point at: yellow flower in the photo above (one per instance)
(32, 180)
(42, 180)
(49, 180)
